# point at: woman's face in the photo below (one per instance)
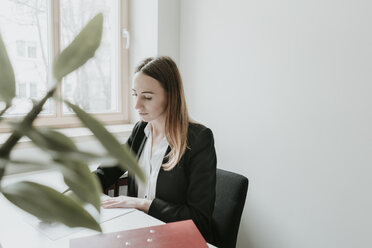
(150, 98)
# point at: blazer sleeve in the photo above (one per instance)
(200, 199)
(109, 175)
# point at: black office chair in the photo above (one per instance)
(231, 191)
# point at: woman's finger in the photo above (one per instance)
(111, 204)
(107, 201)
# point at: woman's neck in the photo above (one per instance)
(158, 128)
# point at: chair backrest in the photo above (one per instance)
(231, 191)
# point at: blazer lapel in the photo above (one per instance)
(140, 149)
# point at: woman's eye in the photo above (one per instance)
(147, 98)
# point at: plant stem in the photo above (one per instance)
(6, 148)
(4, 110)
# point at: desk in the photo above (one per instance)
(15, 232)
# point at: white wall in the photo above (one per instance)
(143, 27)
(154, 27)
(169, 28)
(286, 87)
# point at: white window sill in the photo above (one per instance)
(78, 134)
(83, 137)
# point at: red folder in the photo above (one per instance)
(179, 234)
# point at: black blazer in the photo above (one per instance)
(185, 192)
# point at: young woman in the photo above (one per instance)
(177, 155)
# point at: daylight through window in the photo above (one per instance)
(35, 30)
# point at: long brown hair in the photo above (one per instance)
(165, 71)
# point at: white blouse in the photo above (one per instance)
(150, 165)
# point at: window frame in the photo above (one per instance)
(61, 120)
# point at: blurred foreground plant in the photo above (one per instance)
(41, 201)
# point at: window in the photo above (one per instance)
(31, 49)
(23, 45)
(35, 30)
(33, 90)
(21, 48)
(22, 90)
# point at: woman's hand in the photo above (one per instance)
(127, 202)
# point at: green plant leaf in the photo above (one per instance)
(35, 164)
(46, 138)
(50, 139)
(80, 50)
(7, 80)
(69, 160)
(49, 205)
(82, 156)
(81, 181)
(125, 157)
(58, 145)
(3, 163)
(76, 174)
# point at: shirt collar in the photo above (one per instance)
(147, 129)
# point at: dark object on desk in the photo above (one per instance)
(180, 234)
(231, 191)
(118, 188)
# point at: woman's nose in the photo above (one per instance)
(138, 103)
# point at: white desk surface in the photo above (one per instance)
(16, 232)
